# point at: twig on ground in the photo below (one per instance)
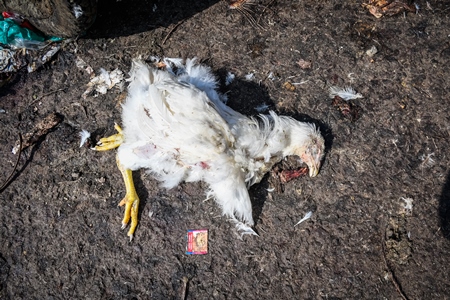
(390, 271)
(264, 10)
(40, 129)
(184, 288)
(45, 95)
(15, 166)
(171, 31)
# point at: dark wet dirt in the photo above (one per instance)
(60, 235)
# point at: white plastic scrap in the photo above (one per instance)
(306, 217)
(8, 62)
(347, 93)
(84, 136)
(104, 82)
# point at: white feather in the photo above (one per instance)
(249, 76)
(262, 108)
(84, 136)
(346, 93)
(229, 79)
(306, 217)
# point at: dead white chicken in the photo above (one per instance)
(176, 125)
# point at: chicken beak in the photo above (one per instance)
(313, 169)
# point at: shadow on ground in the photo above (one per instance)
(444, 208)
(123, 18)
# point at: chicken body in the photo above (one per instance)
(178, 127)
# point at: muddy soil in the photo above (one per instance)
(381, 202)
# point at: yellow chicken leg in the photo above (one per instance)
(131, 199)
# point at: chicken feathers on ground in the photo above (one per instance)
(178, 127)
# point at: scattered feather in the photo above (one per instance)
(351, 76)
(372, 51)
(249, 76)
(81, 64)
(427, 160)
(243, 229)
(271, 76)
(77, 11)
(347, 93)
(104, 82)
(84, 135)
(229, 79)
(306, 217)
(262, 108)
(408, 205)
(208, 197)
(300, 83)
(270, 190)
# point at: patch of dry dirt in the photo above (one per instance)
(60, 234)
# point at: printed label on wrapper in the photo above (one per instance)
(197, 241)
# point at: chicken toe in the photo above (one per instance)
(131, 201)
(110, 142)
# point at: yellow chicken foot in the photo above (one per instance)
(110, 142)
(131, 200)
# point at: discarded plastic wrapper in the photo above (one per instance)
(10, 32)
(197, 241)
(21, 36)
(21, 46)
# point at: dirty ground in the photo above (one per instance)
(381, 202)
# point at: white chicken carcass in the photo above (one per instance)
(178, 127)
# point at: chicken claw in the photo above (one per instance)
(110, 142)
(131, 200)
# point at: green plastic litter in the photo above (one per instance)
(11, 32)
